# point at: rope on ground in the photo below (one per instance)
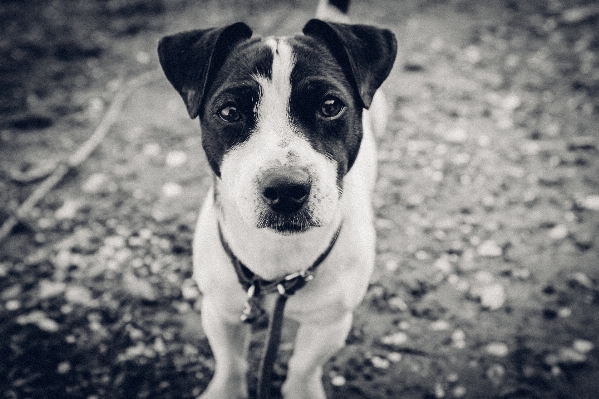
(82, 153)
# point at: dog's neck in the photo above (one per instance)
(267, 253)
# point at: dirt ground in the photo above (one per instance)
(487, 204)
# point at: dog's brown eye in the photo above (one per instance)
(331, 107)
(229, 113)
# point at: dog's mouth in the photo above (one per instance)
(288, 224)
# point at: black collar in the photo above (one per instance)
(256, 286)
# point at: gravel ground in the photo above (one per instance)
(487, 204)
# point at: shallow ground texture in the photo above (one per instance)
(487, 204)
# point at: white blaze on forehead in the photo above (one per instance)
(273, 108)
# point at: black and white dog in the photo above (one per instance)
(288, 126)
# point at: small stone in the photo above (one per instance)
(498, 349)
(472, 54)
(189, 289)
(583, 346)
(582, 279)
(511, 102)
(379, 362)
(338, 381)
(79, 295)
(459, 391)
(63, 367)
(443, 264)
(96, 183)
(40, 319)
(151, 149)
(12, 305)
(456, 136)
(68, 210)
(439, 391)
(558, 232)
(142, 57)
(172, 189)
(398, 304)
(493, 296)
(591, 202)
(571, 356)
(458, 339)
(440, 325)
(495, 374)
(421, 255)
(176, 158)
(394, 357)
(50, 289)
(139, 288)
(397, 339)
(564, 312)
(489, 249)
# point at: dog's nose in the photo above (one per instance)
(285, 190)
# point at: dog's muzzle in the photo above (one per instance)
(286, 192)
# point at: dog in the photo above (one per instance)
(288, 127)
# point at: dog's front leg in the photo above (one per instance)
(315, 343)
(228, 340)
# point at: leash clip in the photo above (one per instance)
(253, 306)
(294, 282)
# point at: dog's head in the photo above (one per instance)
(281, 118)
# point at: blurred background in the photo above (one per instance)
(487, 203)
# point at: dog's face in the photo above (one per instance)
(281, 117)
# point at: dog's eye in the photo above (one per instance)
(331, 107)
(229, 113)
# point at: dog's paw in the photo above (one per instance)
(226, 391)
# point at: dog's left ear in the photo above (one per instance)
(367, 52)
(188, 58)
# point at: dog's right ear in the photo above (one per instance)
(188, 58)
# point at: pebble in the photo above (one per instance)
(172, 189)
(338, 381)
(398, 304)
(443, 264)
(458, 339)
(489, 249)
(456, 136)
(459, 391)
(176, 158)
(95, 184)
(380, 362)
(79, 295)
(558, 232)
(583, 346)
(397, 339)
(440, 325)
(50, 289)
(492, 296)
(498, 349)
(151, 149)
(495, 374)
(68, 210)
(565, 356)
(63, 367)
(591, 202)
(189, 289)
(139, 288)
(40, 319)
(394, 357)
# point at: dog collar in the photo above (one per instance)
(256, 287)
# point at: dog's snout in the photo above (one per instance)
(285, 190)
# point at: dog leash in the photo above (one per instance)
(256, 287)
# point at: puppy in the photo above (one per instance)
(288, 127)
